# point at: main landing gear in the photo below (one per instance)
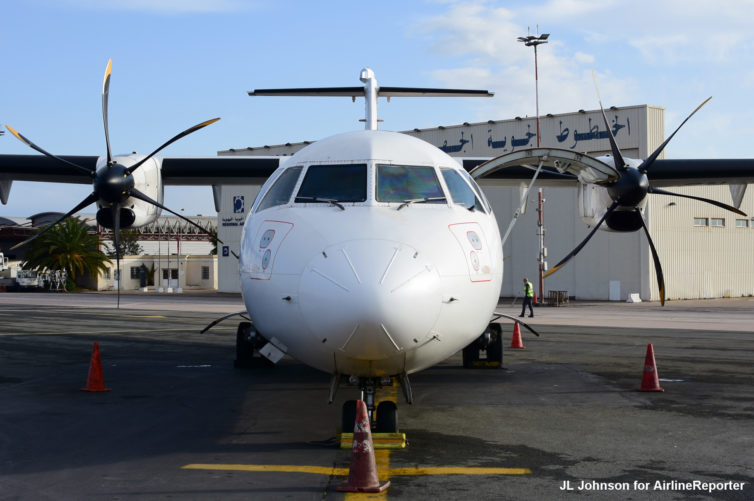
(383, 415)
(486, 350)
(248, 345)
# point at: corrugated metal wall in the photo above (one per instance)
(703, 261)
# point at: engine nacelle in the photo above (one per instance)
(593, 204)
(148, 180)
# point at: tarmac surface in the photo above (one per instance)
(182, 423)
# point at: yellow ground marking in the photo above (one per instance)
(384, 472)
(458, 470)
(280, 468)
(382, 460)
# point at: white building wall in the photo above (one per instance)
(236, 202)
(703, 261)
(608, 256)
(171, 246)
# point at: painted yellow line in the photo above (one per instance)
(281, 468)
(458, 470)
(384, 472)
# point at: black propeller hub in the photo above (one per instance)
(630, 189)
(113, 183)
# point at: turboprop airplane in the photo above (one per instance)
(369, 255)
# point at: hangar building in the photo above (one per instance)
(706, 252)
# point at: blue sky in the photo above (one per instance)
(179, 62)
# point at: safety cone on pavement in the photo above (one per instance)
(516, 341)
(95, 381)
(362, 473)
(650, 380)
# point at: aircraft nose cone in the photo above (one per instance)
(371, 299)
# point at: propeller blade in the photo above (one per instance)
(87, 201)
(46, 153)
(141, 196)
(620, 164)
(709, 201)
(174, 139)
(647, 163)
(105, 94)
(116, 242)
(656, 258)
(583, 243)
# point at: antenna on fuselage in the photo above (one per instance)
(370, 92)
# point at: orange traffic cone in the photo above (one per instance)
(362, 474)
(516, 341)
(650, 380)
(95, 381)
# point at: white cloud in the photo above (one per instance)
(483, 37)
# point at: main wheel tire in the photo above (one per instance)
(495, 348)
(244, 348)
(387, 417)
(469, 355)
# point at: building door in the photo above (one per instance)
(173, 282)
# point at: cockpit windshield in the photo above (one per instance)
(334, 183)
(405, 183)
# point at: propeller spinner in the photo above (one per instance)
(629, 191)
(112, 184)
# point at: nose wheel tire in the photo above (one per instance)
(348, 416)
(387, 417)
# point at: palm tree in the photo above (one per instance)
(68, 246)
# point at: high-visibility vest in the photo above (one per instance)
(529, 289)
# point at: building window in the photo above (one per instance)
(717, 222)
(701, 221)
(742, 223)
(135, 272)
(205, 272)
(107, 274)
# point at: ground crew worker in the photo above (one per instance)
(528, 296)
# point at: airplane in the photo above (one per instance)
(369, 255)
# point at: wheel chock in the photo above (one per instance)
(379, 440)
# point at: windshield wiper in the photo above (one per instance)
(420, 201)
(330, 201)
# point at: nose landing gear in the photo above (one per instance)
(383, 415)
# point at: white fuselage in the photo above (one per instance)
(371, 285)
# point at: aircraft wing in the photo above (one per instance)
(237, 170)
(678, 172)
(175, 171)
(361, 92)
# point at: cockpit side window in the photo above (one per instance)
(339, 183)
(460, 190)
(281, 190)
(401, 183)
(477, 190)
